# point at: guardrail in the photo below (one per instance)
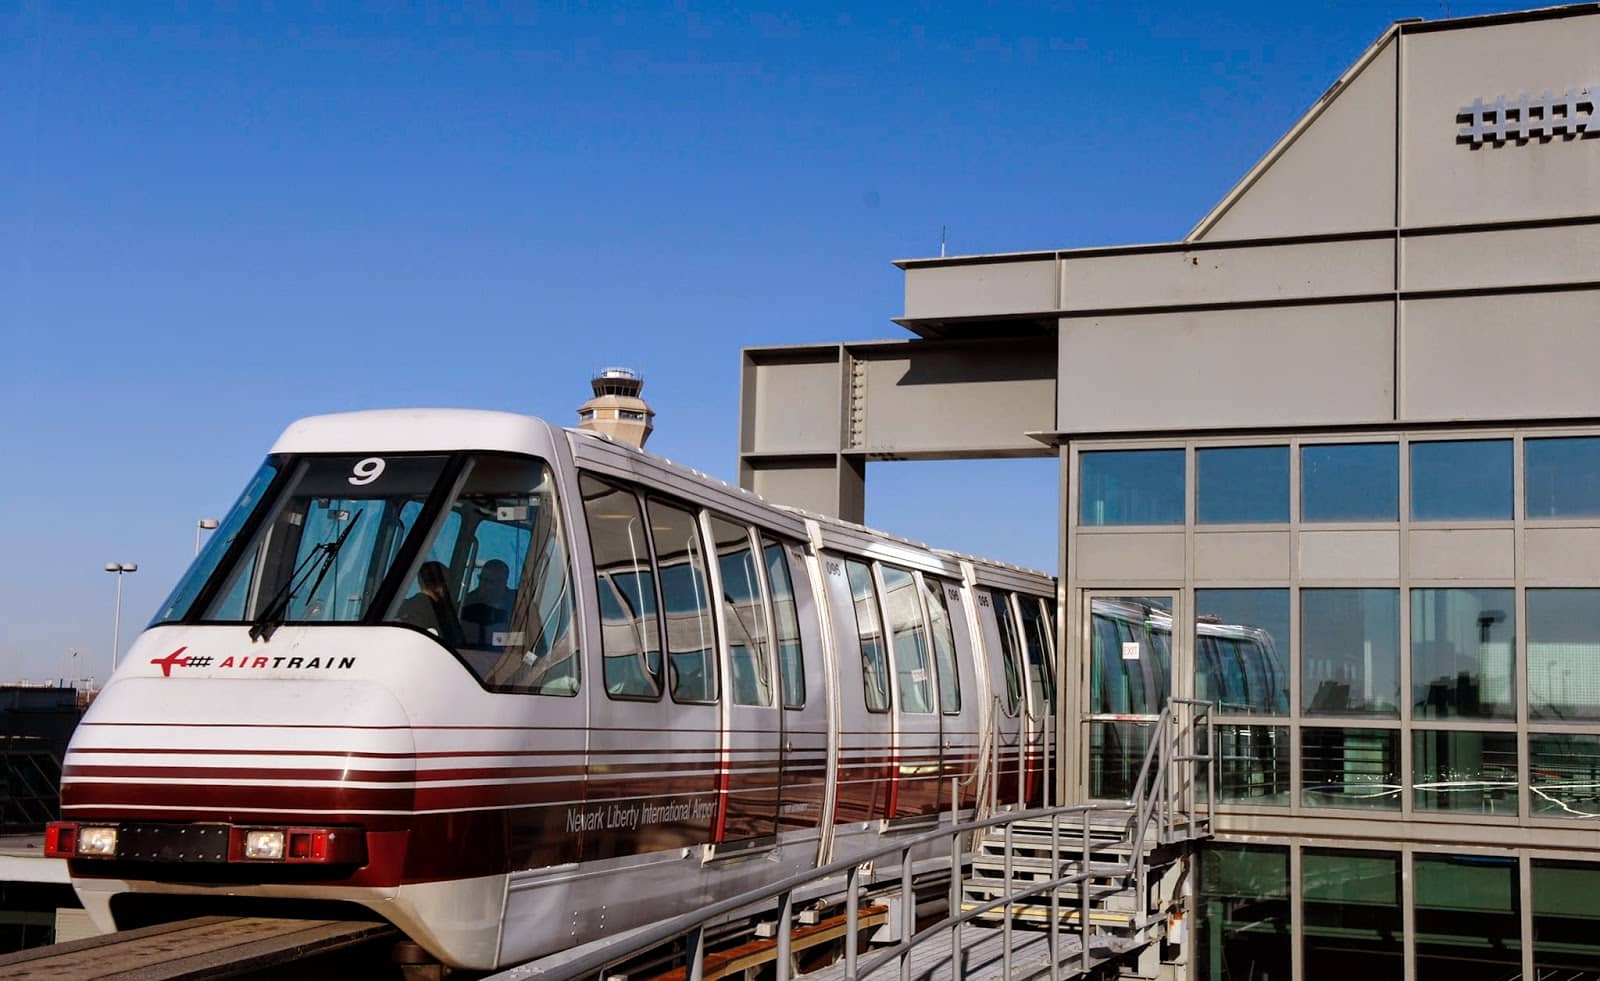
(1159, 801)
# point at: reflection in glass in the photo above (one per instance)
(1243, 929)
(1563, 651)
(1041, 676)
(791, 659)
(1116, 752)
(1464, 771)
(944, 645)
(1564, 775)
(1350, 651)
(1130, 654)
(1254, 764)
(1457, 480)
(1469, 925)
(1350, 482)
(691, 639)
(1562, 477)
(217, 546)
(1130, 487)
(1352, 914)
(1350, 768)
(874, 666)
(1242, 484)
(1463, 647)
(1010, 647)
(744, 614)
(1241, 639)
(1566, 923)
(910, 641)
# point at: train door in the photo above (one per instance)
(917, 718)
(998, 627)
(1129, 641)
(863, 775)
(752, 730)
(955, 668)
(803, 686)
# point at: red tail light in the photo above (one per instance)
(327, 846)
(61, 839)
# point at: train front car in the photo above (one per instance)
(316, 711)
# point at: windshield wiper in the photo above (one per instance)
(272, 616)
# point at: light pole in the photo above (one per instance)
(203, 525)
(121, 569)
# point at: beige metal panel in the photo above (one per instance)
(958, 398)
(1338, 173)
(1446, 182)
(811, 487)
(1341, 555)
(776, 426)
(1500, 357)
(1469, 553)
(1241, 555)
(1311, 365)
(1257, 273)
(1561, 554)
(1154, 556)
(981, 289)
(1506, 257)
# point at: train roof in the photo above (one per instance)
(420, 430)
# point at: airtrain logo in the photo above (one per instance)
(1523, 118)
(177, 659)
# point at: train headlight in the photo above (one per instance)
(266, 846)
(97, 841)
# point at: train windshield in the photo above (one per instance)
(465, 548)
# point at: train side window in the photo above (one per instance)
(1038, 652)
(744, 614)
(791, 657)
(691, 638)
(630, 639)
(944, 646)
(874, 668)
(910, 637)
(1007, 627)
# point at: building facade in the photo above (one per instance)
(1332, 462)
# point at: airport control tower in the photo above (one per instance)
(616, 409)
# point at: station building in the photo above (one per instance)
(1331, 461)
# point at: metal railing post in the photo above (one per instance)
(908, 912)
(1005, 924)
(955, 886)
(1055, 898)
(1083, 897)
(785, 925)
(852, 912)
(1045, 775)
(696, 939)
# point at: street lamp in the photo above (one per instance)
(204, 524)
(121, 569)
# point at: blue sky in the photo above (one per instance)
(221, 216)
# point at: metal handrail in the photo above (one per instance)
(1144, 803)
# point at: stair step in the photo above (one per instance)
(1039, 868)
(1041, 914)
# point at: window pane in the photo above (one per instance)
(1350, 768)
(1463, 648)
(1241, 484)
(944, 645)
(625, 585)
(1352, 911)
(1130, 654)
(1566, 924)
(910, 641)
(791, 656)
(1130, 487)
(1244, 913)
(1350, 651)
(1563, 651)
(177, 605)
(1464, 771)
(691, 638)
(1565, 773)
(744, 614)
(1562, 477)
(1040, 671)
(1010, 646)
(1469, 925)
(874, 666)
(1461, 479)
(516, 620)
(1350, 482)
(1116, 752)
(1241, 640)
(1254, 764)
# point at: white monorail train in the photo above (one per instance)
(515, 688)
